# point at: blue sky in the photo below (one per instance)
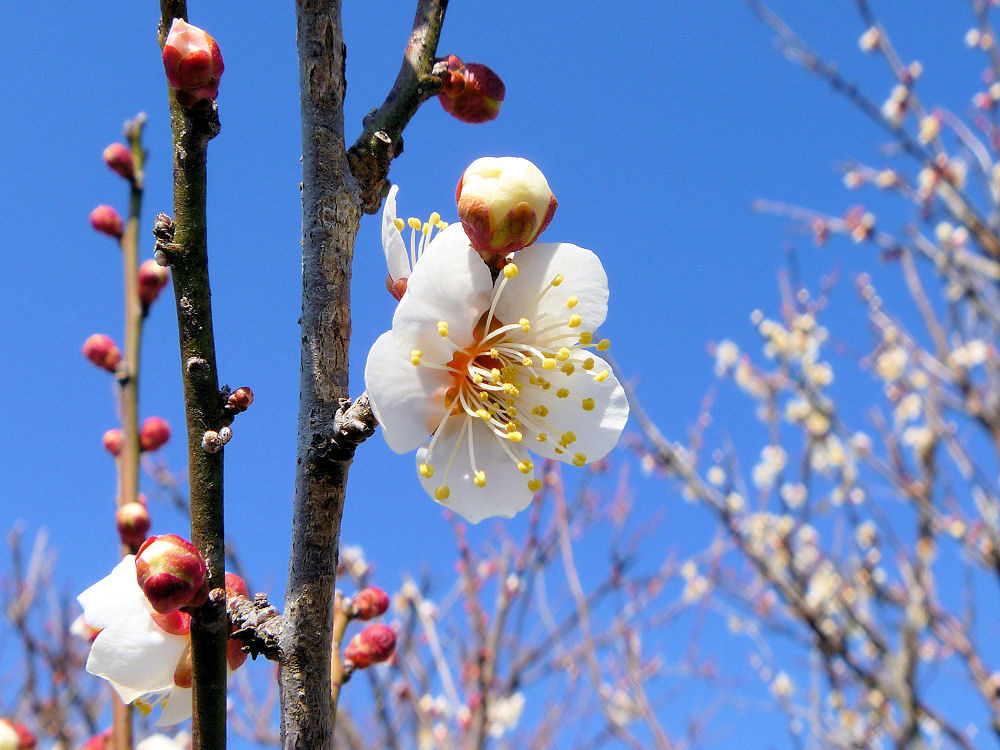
(656, 126)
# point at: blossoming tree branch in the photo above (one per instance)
(493, 357)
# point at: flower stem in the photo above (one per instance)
(340, 620)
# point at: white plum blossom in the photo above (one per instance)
(399, 259)
(487, 369)
(505, 713)
(132, 652)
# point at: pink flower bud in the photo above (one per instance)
(374, 644)
(133, 523)
(235, 586)
(193, 63)
(370, 602)
(113, 440)
(101, 350)
(106, 220)
(154, 434)
(15, 736)
(152, 278)
(504, 204)
(240, 399)
(471, 92)
(100, 741)
(119, 160)
(171, 573)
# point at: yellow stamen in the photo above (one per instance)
(515, 436)
(541, 437)
(571, 300)
(414, 222)
(586, 337)
(399, 223)
(442, 492)
(569, 368)
(523, 322)
(541, 411)
(483, 414)
(510, 270)
(415, 356)
(442, 329)
(579, 459)
(563, 354)
(603, 344)
(567, 438)
(601, 376)
(535, 484)
(495, 375)
(527, 362)
(549, 363)
(435, 218)
(589, 404)
(562, 392)
(588, 363)
(426, 228)
(480, 479)
(557, 279)
(574, 321)
(525, 466)
(426, 470)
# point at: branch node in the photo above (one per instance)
(257, 625)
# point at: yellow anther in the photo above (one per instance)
(510, 270)
(415, 356)
(480, 479)
(586, 337)
(567, 438)
(512, 411)
(601, 376)
(562, 392)
(414, 222)
(435, 218)
(426, 470)
(535, 484)
(559, 450)
(495, 375)
(515, 436)
(541, 411)
(563, 354)
(511, 426)
(495, 354)
(511, 389)
(588, 363)
(426, 228)
(574, 321)
(525, 326)
(442, 328)
(399, 223)
(589, 404)
(569, 368)
(603, 344)
(549, 363)
(557, 279)
(525, 466)
(442, 492)
(483, 414)
(144, 708)
(527, 362)
(442, 225)
(541, 437)
(477, 378)
(571, 301)
(579, 459)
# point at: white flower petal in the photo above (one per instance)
(596, 429)
(104, 602)
(136, 656)
(451, 283)
(396, 256)
(583, 279)
(159, 742)
(408, 401)
(506, 491)
(176, 708)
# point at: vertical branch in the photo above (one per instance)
(188, 257)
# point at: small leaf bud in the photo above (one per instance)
(193, 63)
(154, 434)
(171, 573)
(118, 157)
(504, 204)
(152, 277)
(370, 602)
(211, 442)
(471, 92)
(113, 440)
(133, 523)
(374, 644)
(106, 220)
(100, 349)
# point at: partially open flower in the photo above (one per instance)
(119, 160)
(171, 573)
(152, 277)
(504, 203)
(471, 91)
(154, 434)
(100, 349)
(193, 63)
(133, 523)
(374, 644)
(370, 602)
(399, 259)
(107, 221)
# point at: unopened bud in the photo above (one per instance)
(100, 349)
(118, 157)
(171, 573)
(471, 92)
(504, 204)
(374, 644)
(211, 442)
(100, 741)
(152, 277)
(154, 434)
(396, 288)
(106, 220)
(133, 523)
(370, 602)
(193, 63)
(240, 399)
(113, 440)
(15, 736)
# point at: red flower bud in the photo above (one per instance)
(100, 741)
(370, 602)
(133, 523)
(240, 399)
(193, 63)
(471, 92)
(119, 160)
(106, 220)
(171, 573)
(152, 278)
(235, 586)
(113, 440)
(154, 434)
(374, 644)
(101, 350)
